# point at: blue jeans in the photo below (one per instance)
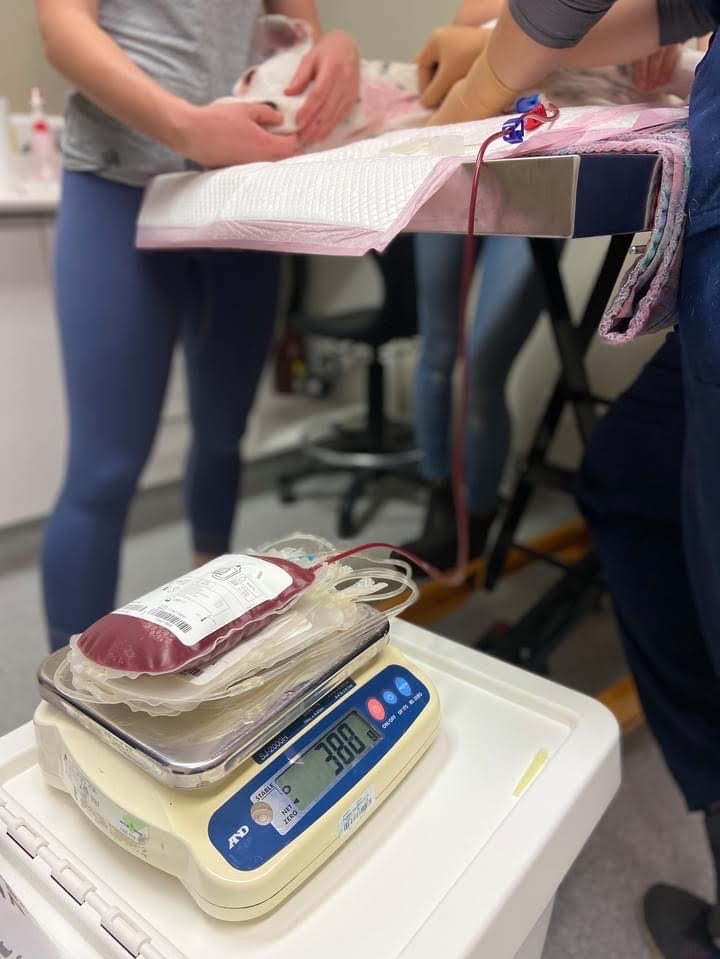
(509, 302)
(650, 490)
(121, 312)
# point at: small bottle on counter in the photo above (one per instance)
(43, 149)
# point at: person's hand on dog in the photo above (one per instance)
(227, 132)
(333, 69)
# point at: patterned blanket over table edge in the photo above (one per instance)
(647, 299)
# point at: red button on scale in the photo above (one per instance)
(376, 709)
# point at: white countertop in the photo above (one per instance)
(29, 198)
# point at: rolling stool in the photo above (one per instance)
(377, 447)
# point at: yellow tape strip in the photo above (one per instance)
(536, 766)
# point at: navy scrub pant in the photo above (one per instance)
(649, 488)
(121, 313)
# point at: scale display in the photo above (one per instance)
(326, 760)
(318, 787)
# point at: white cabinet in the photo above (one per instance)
(32, 406)
(32, 422)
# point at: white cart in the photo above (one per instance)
(458, 863)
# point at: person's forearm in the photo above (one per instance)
(628, 31)
(83, 53)
(298, 9)
(534, 39)
(517, 60)
(474, 13)
(636, 28)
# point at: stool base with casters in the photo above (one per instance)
(354, 449)
(377, 447)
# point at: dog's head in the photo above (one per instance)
(282, 42)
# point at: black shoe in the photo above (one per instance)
(437, 544)
(676, 924)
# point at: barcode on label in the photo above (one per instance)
(168, 617)
(352, 816)
(349, 819)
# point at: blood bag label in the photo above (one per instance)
(194, 606)
(353, 816)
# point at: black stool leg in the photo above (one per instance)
(347, 525)
(376, 404)
(287, 481)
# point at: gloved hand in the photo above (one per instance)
(478, 96)
(446, 58)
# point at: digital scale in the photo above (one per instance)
(243, 814)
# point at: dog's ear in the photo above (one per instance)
(274, 33)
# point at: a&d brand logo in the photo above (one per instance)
(238, 836)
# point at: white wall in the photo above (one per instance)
(22, 62)
(392, 30)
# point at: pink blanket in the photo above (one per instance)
(647, 299)
(357, 198)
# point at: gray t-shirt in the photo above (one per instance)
(196, 49)
(564, 23)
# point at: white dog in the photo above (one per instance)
(389, 97)
(389, 94)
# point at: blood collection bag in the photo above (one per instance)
(192, 617)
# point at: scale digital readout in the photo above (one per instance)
(307, 778)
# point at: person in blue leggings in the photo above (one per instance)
(121, 313)
(148, 79)
(510, 299)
